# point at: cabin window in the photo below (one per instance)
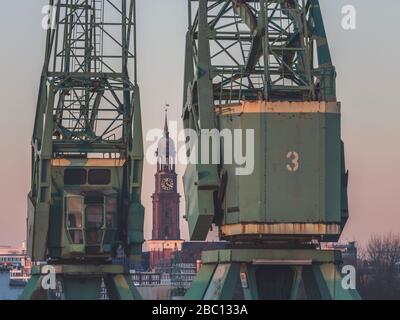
(111, 209)
(111, 212)
(94, 216)
(91, 219)
(99, 176)
(75, 176)
(74, 218)
(94, 222)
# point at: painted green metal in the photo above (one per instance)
(201, 282)
(33, 290)
(249, 255)
(298, 271)
(121, 287)
(310, 274)
(88, 123)
(81, 288)
(223, 283)
(249, 282)
(83, 282)
(311, 194)
(200, 209)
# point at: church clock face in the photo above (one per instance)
(167, 184)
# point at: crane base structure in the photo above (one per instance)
(82, 282)
(270, 274)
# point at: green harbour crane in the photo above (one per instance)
(265, 66)
(87, 152)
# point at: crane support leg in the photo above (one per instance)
(269, 274)
(82, 282)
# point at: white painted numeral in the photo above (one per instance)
(295, 164)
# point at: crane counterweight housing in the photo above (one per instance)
(295, 189)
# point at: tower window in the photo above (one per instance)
(74, 176)
(99, 176)
(166, 232)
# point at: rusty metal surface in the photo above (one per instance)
(263, 106)
(280, 229)
(278, 255)
(266, 262)
(87, 162)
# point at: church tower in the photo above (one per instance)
(166, 196)
(166, 236)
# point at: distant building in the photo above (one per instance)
(13, 257)
(166, 237)
(172, 263)
(146, 278)
(176, 274)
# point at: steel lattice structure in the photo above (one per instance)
(93, 92)
(260, 49)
